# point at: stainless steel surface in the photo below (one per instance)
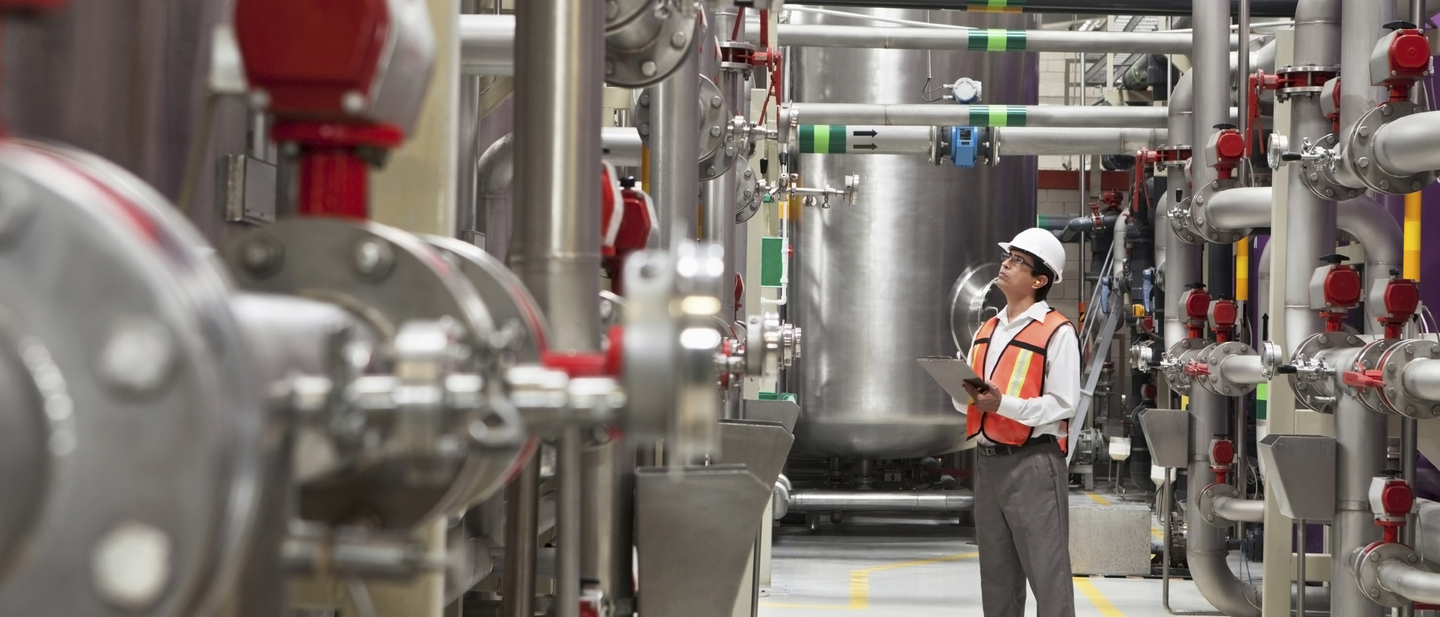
(1310, 220)
(609, 518)
(974, 298)
(1241, 82)
(487, 44)
(1167, 431)
(149, 495)
(1371, 223)
(760, 446)
(1409, 451)
(784, 412)
(23, 433)
(621, 145)
(1012, 141)
(1302, 579)
(467, 130)
(861, 394)
(522, 513)
(1359, 458)
(1260, 8)
(675, 152)
(1427, 531)
(556, 250)
(510, 305)
(1362, 25)
(568, 522)
(915, 114)
(131, 94)
(1212, 81)
(881, 501)
(1421, 379)
(1182, 260)
(1205, 549)
(1242, 370)
(945, 39)
(1412, 582)
(1240, 208)
(1407, 145)
(1362, 151)
(648, 41)
(1245, 510)
(689, 573)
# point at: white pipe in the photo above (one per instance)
(1410, 582)
(913, 114)
(1407, 146)
(487, 44)
(1240, 510)
(1118, 254)
(1421, 379)
(881, 501)
(1245, 370)
(1065, 41)
(1024, 141)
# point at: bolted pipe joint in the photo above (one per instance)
(1222, 506)
(1410, 372)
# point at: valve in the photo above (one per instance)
(1222, 457)
(1391, 499)
(1334, 290)
(627, 221)
(1330, 103)
(1226, 148)
(1400, 59)
(1196, 303)
(1222, 316)
(1394, 302)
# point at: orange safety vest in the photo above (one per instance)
(1020, 373)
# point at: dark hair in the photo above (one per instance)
(1040, 269)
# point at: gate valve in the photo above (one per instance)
(1391, 499)
(1222, 457)
(1400, 59)
(1394, 302)
(1334, 290)
(1226, 148)
(1197, 309)
(627, 221)
(1222, 317)
(343, 81)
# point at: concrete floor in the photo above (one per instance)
(917, 566)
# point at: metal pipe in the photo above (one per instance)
(1211, 98)
(1421, 379)
(1259, 8)
(1377, 230)
(1242, 83)
(567, 523)
(906, 114)
(467, 136)
(1182, 260)
(1427, 530)
(675, 151)
(522, 512)
(1245, 510)
(487, 44)
(1017, 141)
(1242, 370)
(1300, 575)
(1407, 146)
(881, 501)
(1240, 208)
(1362, 24)
(1205, 548)
(621, 146)
(980, 39)
(1412, 583)
(1310, 224)
(1359, 457)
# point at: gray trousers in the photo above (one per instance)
(1022, 524)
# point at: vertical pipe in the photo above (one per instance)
(1412, 236)
(675, 150)
(1084, 201)
(1182, 261)
(522, 513)
(1359, 457)
(1300, 576)
(1205, 548)
(1242, 84)
(559, 47)
(467, 172)
(1362, 24)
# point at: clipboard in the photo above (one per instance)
(951, 374)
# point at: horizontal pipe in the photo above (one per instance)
(1244, 370)
(911, 114)
(1240, 208)
(1410, 582)
(982, 39)
(1407, 146)
(1019, 141)
(621, 145)
(881, 501)
(1242, 510)
(487, 44)
(862, 139)
(1421, 379)
(1258, 8)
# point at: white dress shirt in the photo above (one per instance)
(1062, 375)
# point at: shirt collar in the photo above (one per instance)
(1036, 312)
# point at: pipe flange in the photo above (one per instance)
(1207, 503)
(1372, 357)
(747, 191)
(1392, 365)
(718, 150)
(1181, 354)
(1360, 149)
(1200, 221)
(1305, 80)
(665, 35)
(735, 56)
(1365, 565)
(1174, 156)
(937, 151)
(1182, 224)
(1320, 177)
(1213, 356)
(1314, 384)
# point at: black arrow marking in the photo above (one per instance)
(865, 146)
(869, 133)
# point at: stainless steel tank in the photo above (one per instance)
(874, 284)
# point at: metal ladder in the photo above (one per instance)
(1096, 334)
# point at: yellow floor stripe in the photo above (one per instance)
(1095, 597)
(1098, 499)
(1159, 535)
(860, 583)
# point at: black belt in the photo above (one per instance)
(1004, 450)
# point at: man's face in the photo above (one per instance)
(1017, 274)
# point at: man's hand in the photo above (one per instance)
(987, 399)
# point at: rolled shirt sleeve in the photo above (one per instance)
(1062, 385)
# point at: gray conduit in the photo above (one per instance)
(1066, 41)
(915, 114)
(881, 501)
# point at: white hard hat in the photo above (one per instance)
(1043, 244)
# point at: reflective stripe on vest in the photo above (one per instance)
(1019, 373)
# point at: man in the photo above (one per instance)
(1029, 357)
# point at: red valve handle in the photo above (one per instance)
(1363, 379)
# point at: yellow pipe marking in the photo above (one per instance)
(1411, 264)
(1095, 597)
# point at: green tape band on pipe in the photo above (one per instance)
(995, 39)
(995, 6)
(822, 139)
(997, 115)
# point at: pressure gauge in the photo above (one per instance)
(1279, 143)
(966, 91)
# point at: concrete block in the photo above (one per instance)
(1052, 87)
(1110, 539)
